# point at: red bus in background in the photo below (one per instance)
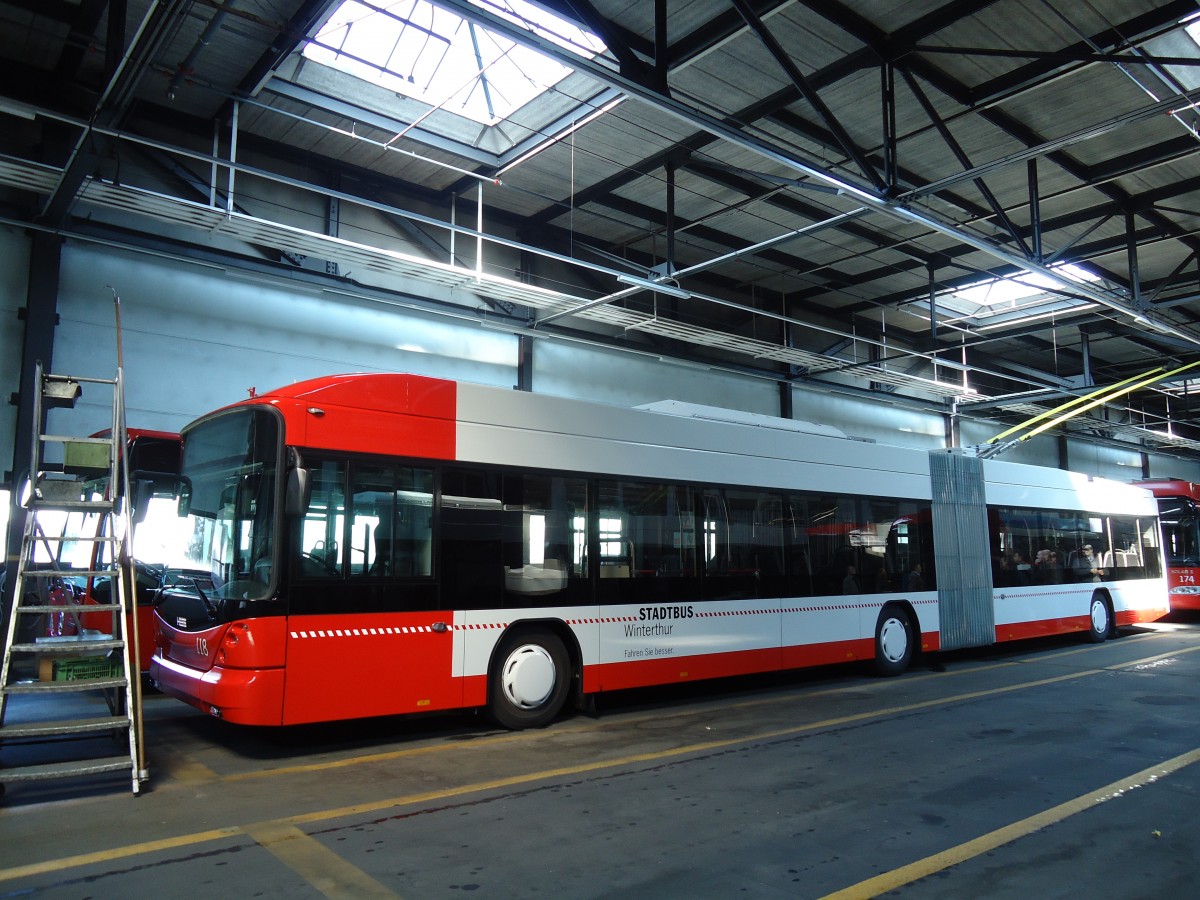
(153, 469)
(1179, 515)
(377, 544)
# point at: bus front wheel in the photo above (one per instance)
(530, 677)
(893, 641)
(1099, 620)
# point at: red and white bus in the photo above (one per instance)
(1179, 514)
(380, 544)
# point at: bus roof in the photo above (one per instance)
(423, 417)
(1170, 487)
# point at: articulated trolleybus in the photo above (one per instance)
(378, 544)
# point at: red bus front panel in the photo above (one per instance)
(1184, 587)
(243, 696)
(233, 671)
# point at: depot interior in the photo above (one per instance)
(925, 223)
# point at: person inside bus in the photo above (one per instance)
(876, 578)
(1046, 569)
(916, 579)
(1001, 570)
(850, 582)
(1086, 567)
(1021, 572)
(1056, 569)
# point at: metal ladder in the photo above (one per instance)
(53, 679)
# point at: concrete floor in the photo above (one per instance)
(1045, 769)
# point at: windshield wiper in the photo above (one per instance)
(212, 610)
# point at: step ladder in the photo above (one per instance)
(64, 686)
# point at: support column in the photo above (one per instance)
(333, 221)
(524, 363)
(887, 90)
(787, 407)
(1131, 250)
(41, 315)
(1085, 350)
(1035, 213)
(932, 303)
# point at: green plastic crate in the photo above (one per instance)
(86, 668)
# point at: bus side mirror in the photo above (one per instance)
(148, 485)
(142, 492)
(184, 497)
(299, 490)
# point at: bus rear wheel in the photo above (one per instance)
(529, 680)
(1099, 620)
(893, 641)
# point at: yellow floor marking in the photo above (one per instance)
(498, 783)
(190, 771)
(522, 736)
(1146, 660)
(392, 755)
(325, 870)
(387, 756)
(102, 856)
(890, 881)
(495, 784)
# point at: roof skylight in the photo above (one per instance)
(417, 49)
(996, 293)
(1017, 299)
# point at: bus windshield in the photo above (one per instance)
(1180, 540)
(230, 483)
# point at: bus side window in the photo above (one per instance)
(743, 555)
(371, 518)
(412, 549)
(392, 529)
(543, 521)
(470, 560)
(319, 552)
(647, 542)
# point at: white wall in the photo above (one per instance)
(879, 420)
(570, 369)
(198, 336)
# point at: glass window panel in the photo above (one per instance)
(646, 530)
(392, 527)
(544, 534)
(320, 548)
(743, 544)
(471, 564)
